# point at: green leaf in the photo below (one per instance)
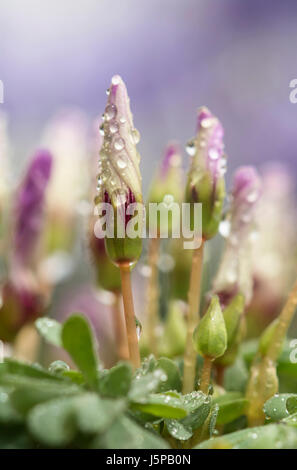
(198, 406)
(78, 340)
(271, 436)
(126, 434)
(236, 376)
(162, 405)
(30, 392)
(116, 382)
(50, 330)
(174, 381)
(15, 437)
(57, 422)
(8, 415)
(276, 407)
(12, 366)
(291, 403)
(231, 406)
(178, 430)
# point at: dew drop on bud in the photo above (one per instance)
(101, 129)
(138, 328)
(119, 144)
(108, 91)
(191, 148)
(115, 80)
(113, 127)
(121, 163)
(213, 154)
(225, 228)
(135, 136)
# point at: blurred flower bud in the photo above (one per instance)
(232, 314)
(272, 277)
(206, 182)
(66, 137)
(235, 272)
(173, 339)
(268, 336)
(29, 208)
(167, 184)
(22, 302)
(107, 275)
(119, 180)
(210, 336)
(234, 327)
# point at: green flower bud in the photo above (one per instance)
(175, 331)
(232, 314)
(210, 337)
(107, 274)
(206, 182)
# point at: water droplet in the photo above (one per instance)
(213, 154)
(191, 148)
(223, 166)
(113, 127)
(108, 91)
(119, 144)
(121, 163)
(110, 112)
(168, 199)
(252, 196)
(115, 80)
(122, 120)
(135, 136)
(225, 228)
(101, 129)
(207, 122)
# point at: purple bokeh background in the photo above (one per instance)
(236, 57)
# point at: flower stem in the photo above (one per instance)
(153, 295)
(129, 314)
(119, 329)
(205, 376)
(192, 319)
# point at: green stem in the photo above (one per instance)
(153, 296)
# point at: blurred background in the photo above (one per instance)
(237, 57)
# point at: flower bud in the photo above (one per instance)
(232, 314)
(206, 182)
(119, 180)
(108, 276)
(235, 272)
(210, 337)
(175, 331)
(167, 184)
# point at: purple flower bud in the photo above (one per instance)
(235, 272)
(210, 140)
(29, 209)
(119, 180)
(168, 180)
